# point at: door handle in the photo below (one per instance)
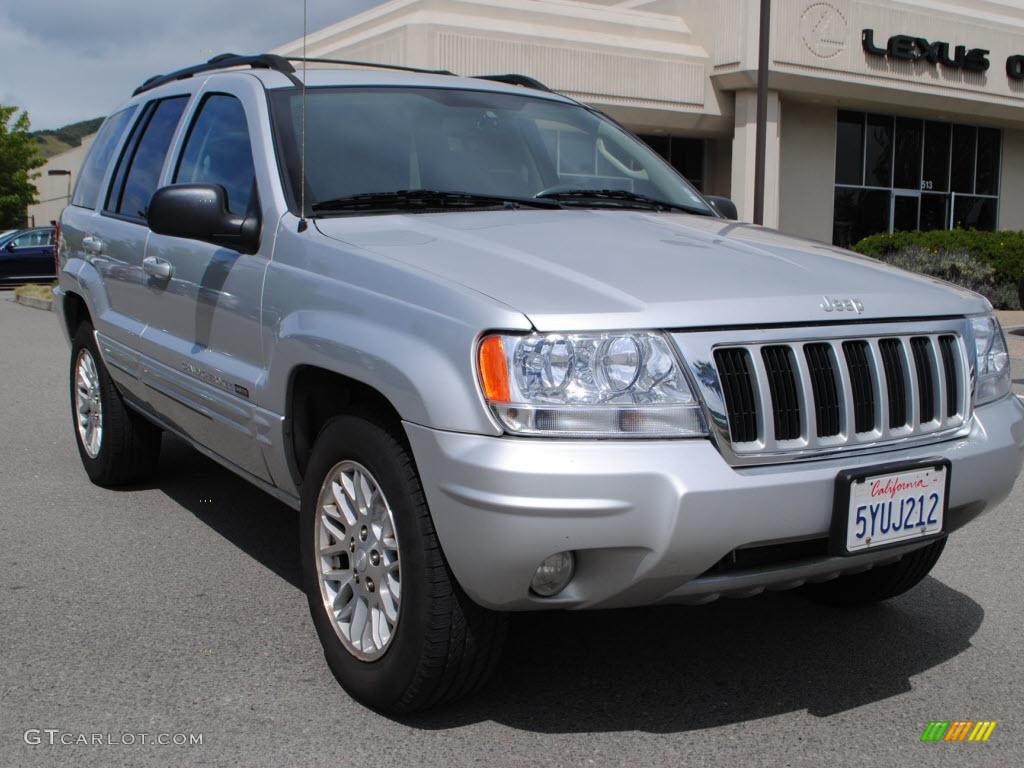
(157, 268)
(92, 244)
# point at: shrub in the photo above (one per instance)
(1003, 251)
(957, 267)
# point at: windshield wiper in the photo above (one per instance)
(619, 198)
(426, 200)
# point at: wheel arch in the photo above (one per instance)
(315, 395)
(74, 312)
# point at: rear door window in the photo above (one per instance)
(218, 151)
(138, 170)
(91, 177)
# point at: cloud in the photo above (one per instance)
(65, 60)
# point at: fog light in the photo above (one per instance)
(553, 574)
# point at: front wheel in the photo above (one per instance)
(397, 631)
(879, 583)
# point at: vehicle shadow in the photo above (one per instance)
(661, 670)
(256, 523)
(675, 668)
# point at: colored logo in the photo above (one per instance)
(958, 730)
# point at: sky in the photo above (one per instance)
(70, 60)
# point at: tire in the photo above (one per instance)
(442, 646)
(128, 446)
(879, 583)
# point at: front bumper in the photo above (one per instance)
(648, 519)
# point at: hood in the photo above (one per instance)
(605, 269)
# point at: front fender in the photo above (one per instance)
(427, 379)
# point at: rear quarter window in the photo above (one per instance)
(142, 159)
(91, 177)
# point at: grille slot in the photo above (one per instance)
(737, 375)
(823, 383)
(861, 381)
(825, 394)
(780, 366)
(895, 385)
(946, 348)
(924, 362)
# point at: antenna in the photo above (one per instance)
(302, 148)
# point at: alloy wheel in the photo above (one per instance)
(358, 563)
(88, 403)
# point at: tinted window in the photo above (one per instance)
(936, 157)
(962, 174)
(905, 209)
(988, 161)
(850, 148)
(217, 151)
(934, 212)
(91, 176)
(145, 159)
(975, 213)
(878, 152)
(941, 176)
(908, 154)
(859, 213)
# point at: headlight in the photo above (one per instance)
(991, 362)
(626, 384)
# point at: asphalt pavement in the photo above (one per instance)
(174, 609)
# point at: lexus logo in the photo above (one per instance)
(832, 304)
(823, 29)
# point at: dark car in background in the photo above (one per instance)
(27, 256)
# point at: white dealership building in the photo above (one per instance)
(882, 115)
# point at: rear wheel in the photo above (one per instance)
(879, 583)
(397, 631)
(117, 445)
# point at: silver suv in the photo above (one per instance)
(501, 357)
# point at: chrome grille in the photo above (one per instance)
(775, 396)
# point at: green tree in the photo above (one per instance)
(18, 158)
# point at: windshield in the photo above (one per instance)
(381, 140)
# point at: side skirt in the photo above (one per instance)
(272, 490)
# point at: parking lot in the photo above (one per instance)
(174, 609)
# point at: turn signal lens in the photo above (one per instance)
(494, 370)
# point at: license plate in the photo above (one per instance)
(889, 506)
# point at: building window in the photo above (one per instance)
(895, 174)
(685, 155)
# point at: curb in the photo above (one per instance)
(32, 301)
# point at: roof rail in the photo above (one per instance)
(349, 63)
(283, 65)
(223, 61)
(513, 79)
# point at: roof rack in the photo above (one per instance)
(283, 64)
(223, 61)
(513, 79)
(350, 63)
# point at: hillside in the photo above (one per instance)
(53, 142)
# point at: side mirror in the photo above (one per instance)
(200, 212)
(9, 247)
(724, 206)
